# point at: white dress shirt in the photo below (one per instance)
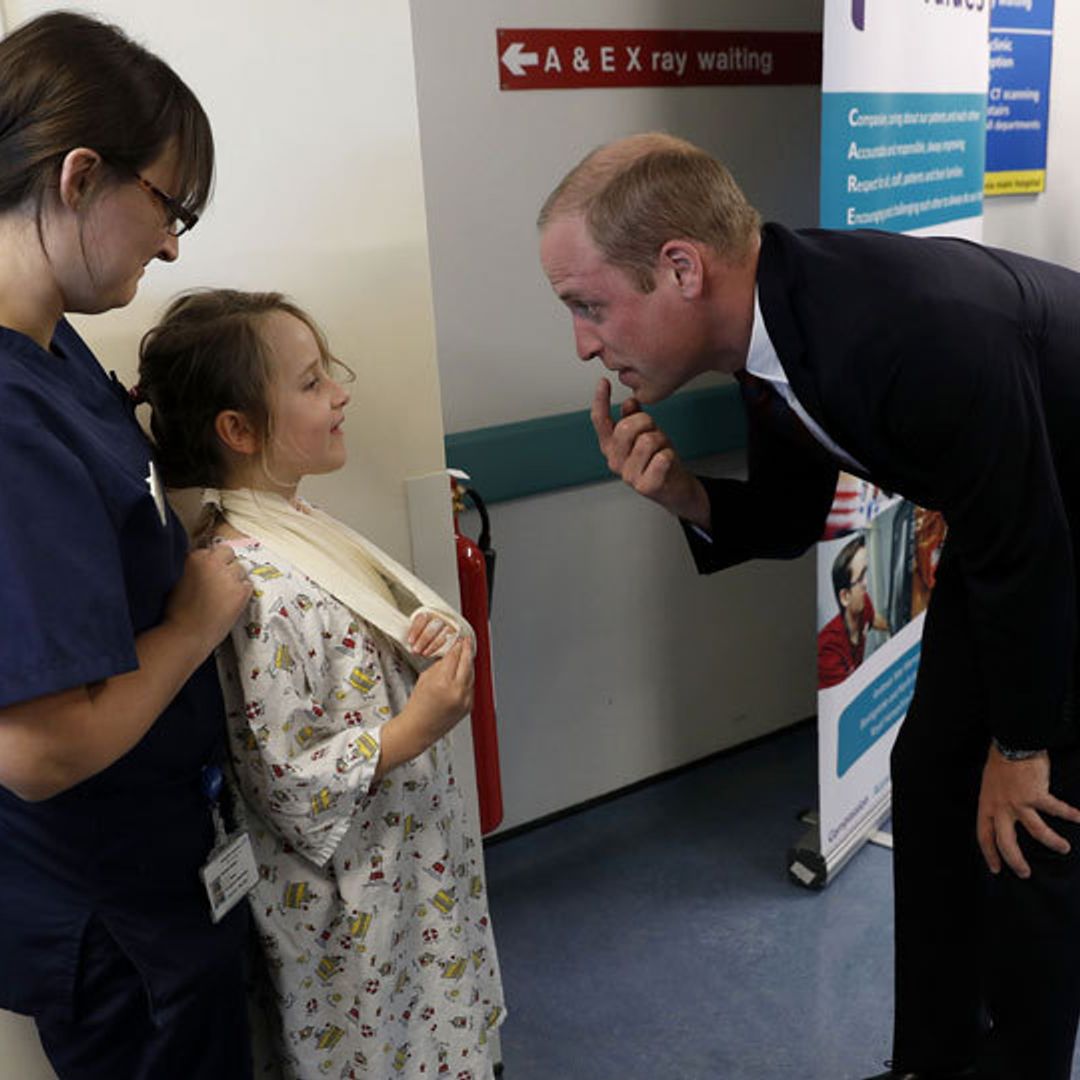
(762, 361)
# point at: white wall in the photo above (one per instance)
(319, 194)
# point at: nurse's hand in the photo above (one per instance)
(50, 743)
(210, 596)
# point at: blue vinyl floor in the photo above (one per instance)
(656, 936)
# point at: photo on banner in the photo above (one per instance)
(876, 567)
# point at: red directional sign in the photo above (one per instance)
(541, 59)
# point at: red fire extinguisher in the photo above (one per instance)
(476, 577)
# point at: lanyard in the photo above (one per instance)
(213, 781)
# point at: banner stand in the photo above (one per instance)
(808, 867)
(903, 148)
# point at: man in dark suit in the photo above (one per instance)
(949, 373)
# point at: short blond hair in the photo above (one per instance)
(638, 193)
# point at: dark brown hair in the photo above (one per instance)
(68, 81)
(841, 568)
(204, 357)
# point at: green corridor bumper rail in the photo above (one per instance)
(510, 461)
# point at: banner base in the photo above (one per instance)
(809, 868)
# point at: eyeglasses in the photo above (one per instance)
(179, 219)
(861, 579)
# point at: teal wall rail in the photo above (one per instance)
(509, 461)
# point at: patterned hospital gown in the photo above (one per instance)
(371, 905)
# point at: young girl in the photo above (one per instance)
(110, 712)
(371, 896)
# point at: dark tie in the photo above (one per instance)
(765, 405)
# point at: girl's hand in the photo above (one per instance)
(442, 696)
(428, 634)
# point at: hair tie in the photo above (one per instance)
(138, 397)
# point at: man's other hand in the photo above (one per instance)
(1012, 793)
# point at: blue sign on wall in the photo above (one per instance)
(1021, 40)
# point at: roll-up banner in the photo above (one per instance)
(903, 135)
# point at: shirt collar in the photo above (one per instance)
(761, 358)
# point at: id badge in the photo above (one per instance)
(229, 875)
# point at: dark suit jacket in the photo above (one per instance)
(952, 372)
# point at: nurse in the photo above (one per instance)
(110, 713)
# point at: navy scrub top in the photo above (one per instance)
(86, 564)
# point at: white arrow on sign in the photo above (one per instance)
(516, 60)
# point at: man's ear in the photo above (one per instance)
(80, 170)
(236, 432)
(844, 598)
(682, 261)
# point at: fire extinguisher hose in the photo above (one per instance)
(484, 540)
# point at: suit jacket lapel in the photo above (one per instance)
(781, 273)
(777, 277)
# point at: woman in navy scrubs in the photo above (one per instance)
(110, 713)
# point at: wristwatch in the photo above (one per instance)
(1014, 755)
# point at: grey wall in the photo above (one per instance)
(490, 158)
(614, 661)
